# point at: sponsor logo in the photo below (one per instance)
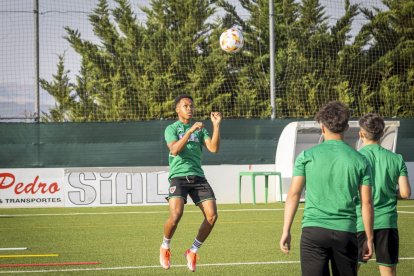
(37, 187)
(8, 181)
(193, 137)
(21, 189)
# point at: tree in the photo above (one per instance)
(389, 58)
(136, 69)
(61, 90)
(316, 55)
(110, 70)
(251, 96)
(176, 44)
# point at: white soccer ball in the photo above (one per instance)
(231, 40)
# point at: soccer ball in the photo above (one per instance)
(231, 40)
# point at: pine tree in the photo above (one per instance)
(61, 90)
(317, 59)
(176, 41)
(389, 55)
(250, 68)
(136, 69)
(108, 85)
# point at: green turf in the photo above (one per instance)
(123, 237)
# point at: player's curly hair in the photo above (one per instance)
(180, 97)
(374, 125)
(334, 116)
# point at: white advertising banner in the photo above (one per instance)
(31, 188)
(83, 187)
(115, 186)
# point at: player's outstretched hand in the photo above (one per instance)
(285, 243)
(216, 117)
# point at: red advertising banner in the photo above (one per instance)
(31, 188)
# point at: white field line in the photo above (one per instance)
(158, 267)
(13, 248)
(149, 212)
(126, 213)
(405, 212)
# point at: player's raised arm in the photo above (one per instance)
(213, 144)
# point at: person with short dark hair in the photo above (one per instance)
(185, 141)
(334, 174)
(390, 182)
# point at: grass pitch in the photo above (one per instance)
(126, 240)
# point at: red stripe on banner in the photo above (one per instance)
(50, 264)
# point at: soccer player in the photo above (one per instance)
(185, 141)
(390, 182)
(334, 174)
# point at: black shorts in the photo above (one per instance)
(386, 244)
(319, 245)
(195, 186)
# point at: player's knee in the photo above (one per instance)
(175, 217)
(212, 218)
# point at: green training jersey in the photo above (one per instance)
(188, 161)
(387, 167)
(333, 172)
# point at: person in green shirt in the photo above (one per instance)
(390, 182)
(185, 141)
(334, 174)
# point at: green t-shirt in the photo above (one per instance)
(387, 167)
(333, 172)
(188, 161)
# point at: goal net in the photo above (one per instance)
(126, 60)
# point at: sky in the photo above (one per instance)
(17, 45)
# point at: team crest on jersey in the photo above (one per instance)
(172, 189)
(193, 137)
